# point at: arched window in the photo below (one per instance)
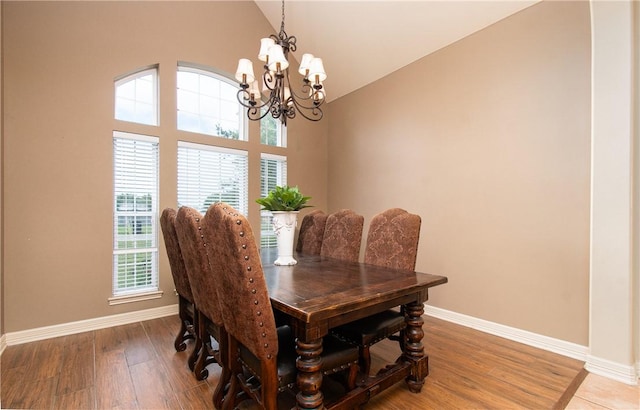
(207, 104)
(137, 97)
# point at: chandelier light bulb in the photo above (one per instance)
(265, 45)
(254, 91)
(244, 73)
(316, 70)
(304, 64)
(277, 62)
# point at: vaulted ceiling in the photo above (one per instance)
(361, 41)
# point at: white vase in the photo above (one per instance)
(284, 225)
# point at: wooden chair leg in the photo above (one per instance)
(352, 377)
(223, 385)
(186, 326)
(193, 358)
(365, 360)
(205, 357)
(235, 368)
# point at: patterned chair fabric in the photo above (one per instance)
(343, 235)
(190, 235)
(176, 261)
(311, 232)
(236, 257)
(256, 346)
(392, 242)
(186, 309)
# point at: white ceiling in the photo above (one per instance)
(361, 41)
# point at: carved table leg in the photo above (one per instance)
(413, 348)
(309, 377)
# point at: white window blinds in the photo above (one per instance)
(273, 172)
(135, 229)
(209, 174)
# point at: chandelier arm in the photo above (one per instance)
(314, 103)
(303, 110)
(254, 111)
(306, 88)
(245, 100)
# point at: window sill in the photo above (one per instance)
(136, 297)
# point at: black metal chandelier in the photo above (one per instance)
(279, 98)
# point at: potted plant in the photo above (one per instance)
(285, 203)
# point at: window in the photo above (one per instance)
(209, 174)
(208, 104)
(135, 204)
(137, 97)
(273, 171)
(272, 132)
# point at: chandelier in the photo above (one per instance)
(279, 98)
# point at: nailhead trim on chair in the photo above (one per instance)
(251, 280)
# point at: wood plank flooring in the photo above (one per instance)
(136, 367)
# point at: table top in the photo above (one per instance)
(334, 292)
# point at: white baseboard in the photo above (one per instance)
(550, 344)
(3, 343)
(64, 329)
(615, 371)
(612, 370)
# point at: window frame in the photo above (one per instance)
(135, 76)
(243, 125)
(243, 198)
(268, 238)
(281, 132)
(152, 291)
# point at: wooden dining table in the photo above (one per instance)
(320, 293)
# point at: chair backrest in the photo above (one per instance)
(242, 289)
(311, 232)
(203, 279)
(343, 235)
(174, 252)
(392, 240)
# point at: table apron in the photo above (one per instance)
(316, 329)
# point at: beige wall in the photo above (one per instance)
(60, 61)
(489, 141)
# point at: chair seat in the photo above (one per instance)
(372, 329)
(337, 355)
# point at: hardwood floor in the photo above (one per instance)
(136, 367)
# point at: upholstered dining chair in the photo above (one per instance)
(311, 232)
(261, 356)
(392, 241)
(343, 235)
(189, 227)
(186, 308)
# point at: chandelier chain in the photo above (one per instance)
(282, 23)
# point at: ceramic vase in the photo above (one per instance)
(284, 225)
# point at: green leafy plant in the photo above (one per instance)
(284, 198)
